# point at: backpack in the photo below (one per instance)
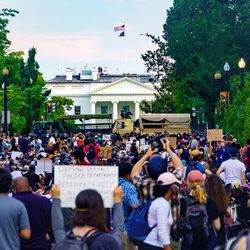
(91, 152)
(231, 244)
(195, 227)
(71, 242)
(191, 166)
(137, 223)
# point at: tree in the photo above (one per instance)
(61, 104)
(235, 119)
(159, 65)
(27, 92)
(201, 36)
(4, 41)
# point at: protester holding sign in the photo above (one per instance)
(88, 221)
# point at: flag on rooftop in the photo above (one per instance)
(122, 34)
(119, 28)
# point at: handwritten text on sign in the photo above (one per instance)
(73, 179)
(214, 135)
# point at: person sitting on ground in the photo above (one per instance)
(88, 220)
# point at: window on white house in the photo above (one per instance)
(104, 109)
(77, 110)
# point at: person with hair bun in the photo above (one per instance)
(196, 196)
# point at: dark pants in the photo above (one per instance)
(145, 246)
(228, 188)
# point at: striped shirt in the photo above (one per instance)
(145, 184)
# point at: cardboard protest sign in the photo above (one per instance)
(73, 179)
(214, 135)
(106, 152)
(44, 166)
(172, 141)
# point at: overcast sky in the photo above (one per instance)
(76, 33)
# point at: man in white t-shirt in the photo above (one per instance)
(234, 170)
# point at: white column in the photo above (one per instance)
(115, 110)
(137, 109)
(93, 111)
(92, 107)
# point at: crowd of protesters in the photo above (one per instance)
(192, 177)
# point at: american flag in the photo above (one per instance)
(120, 28)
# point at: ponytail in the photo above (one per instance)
(198, 193)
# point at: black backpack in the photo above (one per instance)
(91, 152)
(75, 242)
(191, 166)
(195, 227)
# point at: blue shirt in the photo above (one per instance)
(13, 219)
(130, 197)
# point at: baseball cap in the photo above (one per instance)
(195, 176)
(167, 179)
(156, 166)
(196, 152)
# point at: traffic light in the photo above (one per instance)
(50, 104)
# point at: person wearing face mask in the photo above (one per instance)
(160, 217)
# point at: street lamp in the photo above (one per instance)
(196, 113)
(226, 69)
(217, 77)
(5, 73)
(242, 65)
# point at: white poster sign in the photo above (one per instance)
(106, 137)
(15, 154)
(73, 179)
(44, 166)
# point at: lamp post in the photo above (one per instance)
(226, 70)
(196, 113)
(5, 82)
(217, 77)
(242, 65)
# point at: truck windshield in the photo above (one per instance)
(119, 125)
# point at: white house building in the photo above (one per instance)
(98, 93)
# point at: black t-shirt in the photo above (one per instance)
(212, 211)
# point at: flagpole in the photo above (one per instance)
(125, 51)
